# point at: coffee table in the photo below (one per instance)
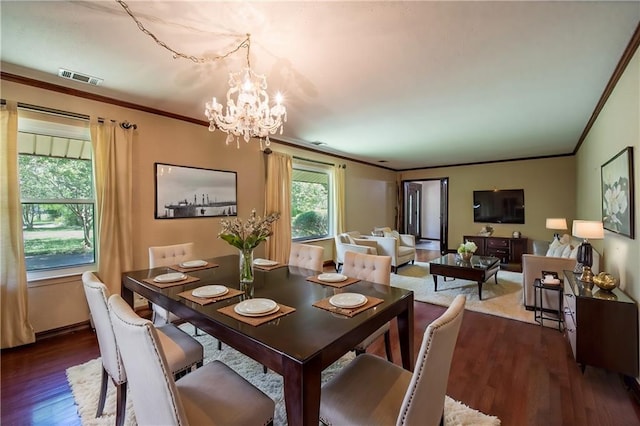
(478, 269)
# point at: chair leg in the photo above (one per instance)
(219, 345)
(387, 346)
(103, 392)
(359, 351)
(264, 369)
(121, 403)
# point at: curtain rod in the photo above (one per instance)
(314, 161)
(83, 117)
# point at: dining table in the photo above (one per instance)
(305, 337)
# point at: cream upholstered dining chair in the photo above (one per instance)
(166, 256)
(182, 351)
(306, 256)
(376, 269)
(212, 394)
(399, 397)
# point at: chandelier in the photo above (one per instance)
(248, 113)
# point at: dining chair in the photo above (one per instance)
(399, 396)
(212, 394)
(182, 351)
(306, 256)
(166, 256)
(376, 269)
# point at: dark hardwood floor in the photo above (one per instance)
(522, 373)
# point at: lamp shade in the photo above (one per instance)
(556, 223)
(588, 229)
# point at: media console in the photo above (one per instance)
(509, 250)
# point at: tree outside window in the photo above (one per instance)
(310, 204)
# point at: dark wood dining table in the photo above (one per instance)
(297, 346)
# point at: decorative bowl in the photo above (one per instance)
(605, 281)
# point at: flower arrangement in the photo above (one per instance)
(467, 247)
(249, 234)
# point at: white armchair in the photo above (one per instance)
(352, 241)
(400, 247)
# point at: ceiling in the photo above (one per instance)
(415, 84)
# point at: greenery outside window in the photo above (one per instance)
(311, 202)
(57, 195)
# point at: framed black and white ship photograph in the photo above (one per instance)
(192, 192)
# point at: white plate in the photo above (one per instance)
(210, 291)
(264, 262)
(252, 307)
(332, 277)
(170, 277)
(244, 314)
(348, 300)
(193, 264)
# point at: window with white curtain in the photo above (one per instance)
(311, 201)
(57, 194)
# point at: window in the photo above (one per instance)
(56, 190)
(311, 207)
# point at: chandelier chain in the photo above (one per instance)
(176, 54)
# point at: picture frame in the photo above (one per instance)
(617, 184)
(183, 192)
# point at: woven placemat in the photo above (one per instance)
(206, 300)
(256, 321)
(197, 268)
(348, 281)
(348, 312)
(269, 267)
(165, 285)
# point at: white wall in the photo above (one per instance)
(431, 209)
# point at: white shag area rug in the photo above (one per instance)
(503, 299)
(84, 381)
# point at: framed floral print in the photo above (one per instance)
(617, 194)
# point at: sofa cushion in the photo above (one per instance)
(561, 247)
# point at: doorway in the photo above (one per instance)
(426, 215)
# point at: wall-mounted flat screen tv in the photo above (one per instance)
(498, 206)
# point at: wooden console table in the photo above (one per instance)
(602, 327)
(509, 250)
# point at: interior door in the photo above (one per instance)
(414, 197)
(444, 215)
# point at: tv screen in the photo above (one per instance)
(498, 206)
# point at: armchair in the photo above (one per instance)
(352, 241)
(400, 247)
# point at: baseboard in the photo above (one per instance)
(62, 330)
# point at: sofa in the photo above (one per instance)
(557, 256)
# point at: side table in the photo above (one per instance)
(538, 312)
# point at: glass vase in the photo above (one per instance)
(246, 266)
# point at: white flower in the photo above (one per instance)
(468, 246)
(615, 200)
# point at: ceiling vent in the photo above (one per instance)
(82, 78)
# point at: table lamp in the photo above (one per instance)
(559, 223)
(587, 229)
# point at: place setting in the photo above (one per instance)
(256, 311)
(333, 279)
(193, 265)
(170, 279)
(210, 294)
(348, 304)
(267, 265)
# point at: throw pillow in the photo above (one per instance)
(394, 234)
(552, 247)
(574, 253)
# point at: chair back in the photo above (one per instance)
(151, 384)
(170, 255)
(424, 400)
(306, 256)
(367, 267)
(97, 295)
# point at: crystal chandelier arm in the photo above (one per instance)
(176, 54)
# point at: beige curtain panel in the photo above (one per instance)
(340, 198)
(15, 329)
(278, 199)
(112, 148)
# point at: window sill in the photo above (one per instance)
(57, 276)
